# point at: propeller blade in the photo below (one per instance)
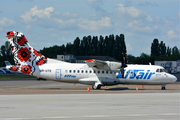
(122, 59)
(122, 72)
(125, 65)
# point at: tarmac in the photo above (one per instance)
(130, 106)
(28, 99)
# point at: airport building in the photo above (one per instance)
(170, 66)
(66, 58)
(81, 59)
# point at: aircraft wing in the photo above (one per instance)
(95, 63)
(104, 65)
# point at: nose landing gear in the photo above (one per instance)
(163, 87)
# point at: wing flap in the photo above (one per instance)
(97, 64)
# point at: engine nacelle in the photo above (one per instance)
(112, 66)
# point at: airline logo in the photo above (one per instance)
(137, 74)
(70, 76)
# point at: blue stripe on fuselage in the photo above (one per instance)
(135, 73)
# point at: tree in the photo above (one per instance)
(76, 46)
(168, 52)
(145, 58)
(175, 53)
(107, 46)
(101, 45)
(94, 45)
(112, 46)
(69, 47)
(162, 49)
(131, 59)
(155, 48)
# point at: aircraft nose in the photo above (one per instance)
(174, 78)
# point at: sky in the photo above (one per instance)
(55, 22)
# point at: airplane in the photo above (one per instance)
(95, 72)
(4, 70)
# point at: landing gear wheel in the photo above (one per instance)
(99, 87)
(96, 87)
(163, 88)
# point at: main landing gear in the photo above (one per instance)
(96, 87)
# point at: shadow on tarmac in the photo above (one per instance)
(116, 89)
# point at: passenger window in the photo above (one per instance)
(86, 71)
(110, 72)
(66, 71)
(106, 72)
(94, 71)
(69, 71)
(78, 71)
(74, 71)
(98, 71)
(90, 71)
(82, 71)
(102, 72)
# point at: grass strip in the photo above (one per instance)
(15, 76)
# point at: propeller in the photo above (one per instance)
(124, 63)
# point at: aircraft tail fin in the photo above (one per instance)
(7, 63)
(26, 57)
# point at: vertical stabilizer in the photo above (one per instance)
(26, 57)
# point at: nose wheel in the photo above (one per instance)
(163, 87)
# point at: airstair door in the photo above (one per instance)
(58, 74)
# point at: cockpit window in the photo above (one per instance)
(164, 70)
(157, 70)
(161, 70)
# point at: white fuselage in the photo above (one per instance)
(82, 73)
(95, 72)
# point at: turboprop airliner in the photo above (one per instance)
(95, 72)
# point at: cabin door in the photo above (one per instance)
(58, 73)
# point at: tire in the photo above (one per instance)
(99, 87)
(163, 88)
(96, 87)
